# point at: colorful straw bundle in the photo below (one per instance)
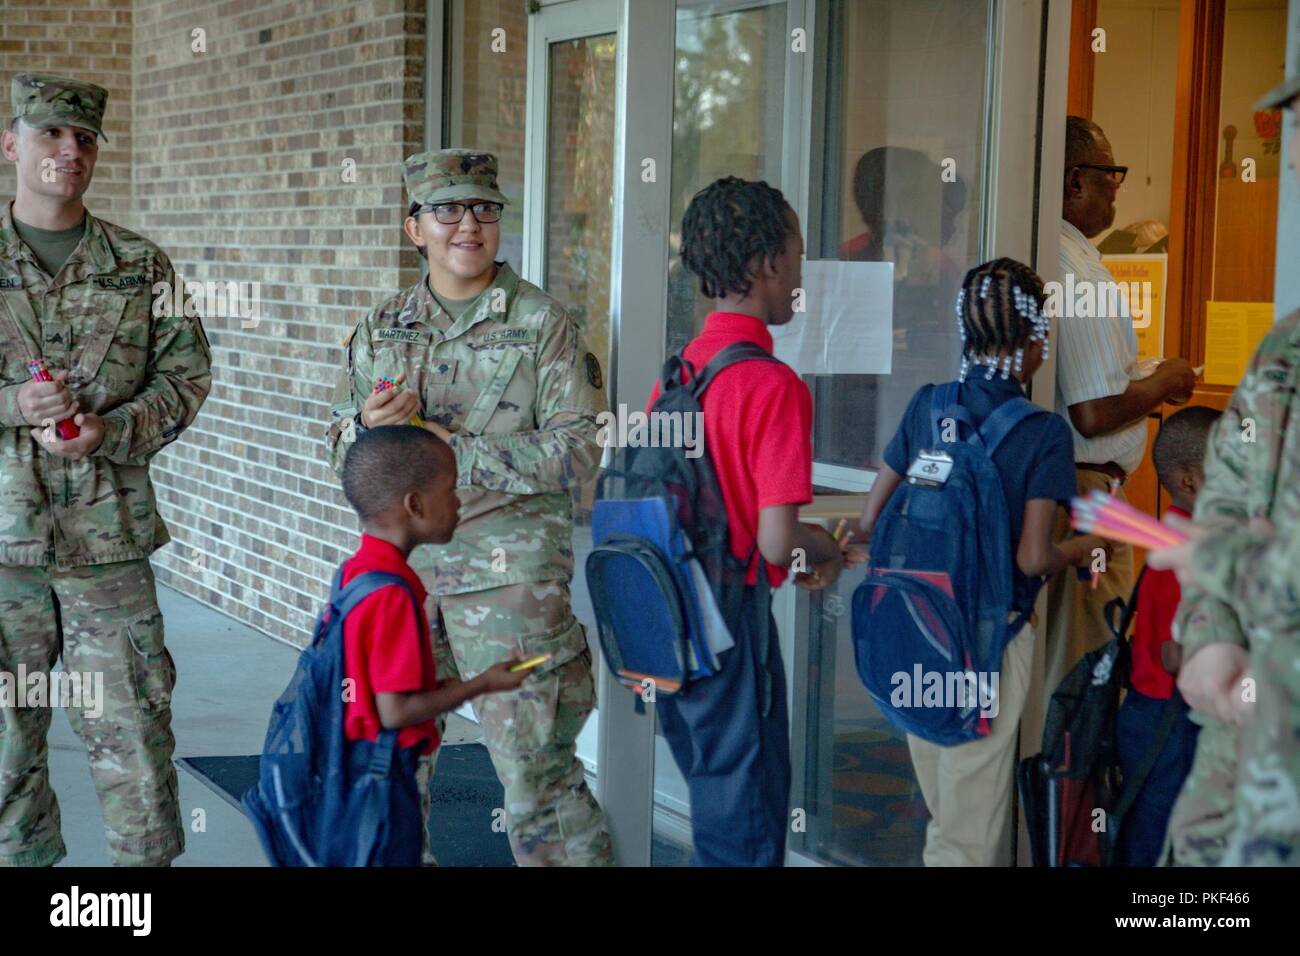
(384, 384)
(1101, 514)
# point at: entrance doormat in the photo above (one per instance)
(465, 794)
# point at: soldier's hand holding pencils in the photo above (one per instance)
(74, 449)
(43, 402)
(390, 407)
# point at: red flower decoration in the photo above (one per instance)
(1268, 124)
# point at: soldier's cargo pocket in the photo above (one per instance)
(153, 672)
(563, 643)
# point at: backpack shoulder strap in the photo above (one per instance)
(336, 586)
(364, 585)
(734, 353)
(1003, 419)
(677, 371)
(944, 404)
(1169, 715)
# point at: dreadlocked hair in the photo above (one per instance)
(999, 312)
(728, 224)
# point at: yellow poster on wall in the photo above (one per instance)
(1141, 277)
(1233, 331)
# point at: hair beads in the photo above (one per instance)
(996, 326)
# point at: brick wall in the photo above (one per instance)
(37, 36)
(238, 173)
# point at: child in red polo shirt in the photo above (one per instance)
(1178, 453)
(730, 734)
(401, 482)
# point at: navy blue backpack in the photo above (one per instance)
(308, 809)
(930, 622)
(666, 590)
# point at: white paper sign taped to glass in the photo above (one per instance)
(847, 326)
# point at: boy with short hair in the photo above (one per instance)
(1179, 456)
(401, 482)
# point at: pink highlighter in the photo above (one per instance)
(68, 429)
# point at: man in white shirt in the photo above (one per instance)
(1097, 383)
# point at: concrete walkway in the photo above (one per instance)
(228, 677)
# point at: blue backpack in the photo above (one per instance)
(666, 590)
(930, 620)
(307, 807)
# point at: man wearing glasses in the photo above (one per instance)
(1097, 381)
(499, 370)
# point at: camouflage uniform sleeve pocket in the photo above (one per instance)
(152, 670)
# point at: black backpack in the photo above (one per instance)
(663, 582)
(1078, 772)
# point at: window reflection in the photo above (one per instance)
(902, 124)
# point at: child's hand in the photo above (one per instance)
(822, 575)
(498, 677)
(1171, 656)
(1085, 544)
(856, 554)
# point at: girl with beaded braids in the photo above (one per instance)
(967, 787)
(997, 331)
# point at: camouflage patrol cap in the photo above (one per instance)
(448, 175)
(43, 100)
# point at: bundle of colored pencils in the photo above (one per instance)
(383, 384)
(1104, 515)
(67, 428)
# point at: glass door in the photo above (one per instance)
(596, 236)
(923, 127)
(862, 111)
(568, 237)
(569, 197)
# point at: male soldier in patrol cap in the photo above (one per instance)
(77, 515)
(1238, 625)
(499, 370)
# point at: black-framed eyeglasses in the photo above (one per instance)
(1116, 173)
(450, 213)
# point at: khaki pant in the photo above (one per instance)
(967, 788)
(1076, 614)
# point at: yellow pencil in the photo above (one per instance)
(531, 662)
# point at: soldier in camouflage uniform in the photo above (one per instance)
(1239, 620)
(500, 371)
(77, 516)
